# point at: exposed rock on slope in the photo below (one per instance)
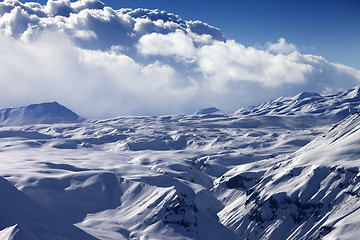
(312, 194)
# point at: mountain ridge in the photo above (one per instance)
(334, 106)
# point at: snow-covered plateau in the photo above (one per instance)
(288, 169)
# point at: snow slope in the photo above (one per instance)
(311, 194)
(207, 176)
(23, 218)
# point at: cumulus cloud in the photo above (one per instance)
(92, 82)
(16, 22)
(103, 62)
(281, 47)
(58, 8)
(175, 43)
(231, 61)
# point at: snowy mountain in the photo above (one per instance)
(263, 174)
(51, 112)
(210, 110)
(311, 194)
(335, 107)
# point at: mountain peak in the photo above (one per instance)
(210, 110)
(48, 112)
(304, 95)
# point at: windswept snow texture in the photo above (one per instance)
(206, 176)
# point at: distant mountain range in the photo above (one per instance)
(336, 106)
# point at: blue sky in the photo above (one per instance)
(328, 28)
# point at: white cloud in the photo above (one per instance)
(16, 22)
(231, 61)
(201, 28)
(281, 47)
(101, 62)
(87, 4)
(58, 8)
(175, 43)
(120, 27)
(85, 35)
(92, 82)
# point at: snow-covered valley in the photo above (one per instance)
(288, 169)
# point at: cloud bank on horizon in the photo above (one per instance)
(103, 62)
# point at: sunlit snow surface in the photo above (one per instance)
(205, 176)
